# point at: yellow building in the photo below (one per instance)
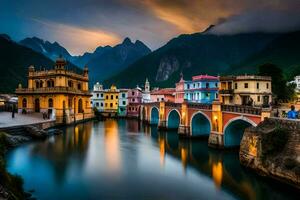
(245, 90)
(61, 93)
(111, 100)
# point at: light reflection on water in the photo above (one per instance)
(125, 160)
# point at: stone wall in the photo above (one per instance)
(277, 156)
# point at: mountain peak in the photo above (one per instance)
(208, 29)
(127, 41)
(5, 36)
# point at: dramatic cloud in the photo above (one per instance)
(81, 25)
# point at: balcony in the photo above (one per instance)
(57, 90)
(228, 91)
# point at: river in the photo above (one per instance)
(124, 159)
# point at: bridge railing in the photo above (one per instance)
(200, 106)
(241, 109)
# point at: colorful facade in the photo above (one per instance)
(111, 100)
(248, 90)
(146, 96)
(135, 97)
(201, 89)
(61, 93)
(97, 99)
(123, 102)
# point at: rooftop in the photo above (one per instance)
(164, 91)
(204, 77)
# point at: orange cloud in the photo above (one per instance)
(77, 39)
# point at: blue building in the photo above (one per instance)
(201, 89)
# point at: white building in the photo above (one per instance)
(297, 82)
(97, 100)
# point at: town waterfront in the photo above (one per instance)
(128, 160)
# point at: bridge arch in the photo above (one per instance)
(200, 124)
(234, 130)
(173, 119)
(154, 115)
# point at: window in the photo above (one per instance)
(194, 85)
(97, 95)
(117, 96)
(162, 99)
(217, 96)
(257, 85)
(106, 96)
(216, 84)
(24, 103)
(258, 98)
(70, 83)
(132, 93)
(101, 104)
(267, 85)
(79, 86)
(157, 99)
(188, 86)
(124, 102)
(123, 95)
(101, 95)
(111, 105)
(80, 110)
(111, 96)
(50, 103)
(206, 94)
(133, 100)
(207, 85)
(50, 83)
(97, 104)
(198, 85)
(245, 85)
(105, 104)
(235, 86)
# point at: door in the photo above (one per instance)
(37, 105)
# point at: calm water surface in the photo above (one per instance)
(122, 159)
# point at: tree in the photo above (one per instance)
(280, 88)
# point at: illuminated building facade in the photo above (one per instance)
(61, 93)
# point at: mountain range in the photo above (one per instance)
(129, 63)
(207, 53)
(103, 62)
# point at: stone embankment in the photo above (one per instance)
(273, 149)
(11, 186)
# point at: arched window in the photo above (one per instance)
(24, 103)
(79, 86)
(50, 83)
(41, 84)
(80, 110)
(50, 103)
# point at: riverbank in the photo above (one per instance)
(11, 186)
(272, 150)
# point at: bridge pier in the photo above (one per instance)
(216, 140)
(162, 125)
(184, 131)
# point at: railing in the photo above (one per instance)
(200, 106)
(58, 72)
(51, 90)
(228, 91)
(241, 109)
(174, 105)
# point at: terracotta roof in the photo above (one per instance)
(164, 91)
(205, 77)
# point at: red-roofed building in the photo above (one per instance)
(166, 94)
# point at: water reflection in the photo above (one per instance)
(111, 142)
(123, 159)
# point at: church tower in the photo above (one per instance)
(147, 86)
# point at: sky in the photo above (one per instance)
(82, 25)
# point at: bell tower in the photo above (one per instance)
(60, 63)
(147, 86)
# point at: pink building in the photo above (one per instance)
(179, 91)
(166, 94)
(134, 102)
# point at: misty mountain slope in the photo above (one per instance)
(50, 50)
(193, 54)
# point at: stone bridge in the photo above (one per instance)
(223, 124)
